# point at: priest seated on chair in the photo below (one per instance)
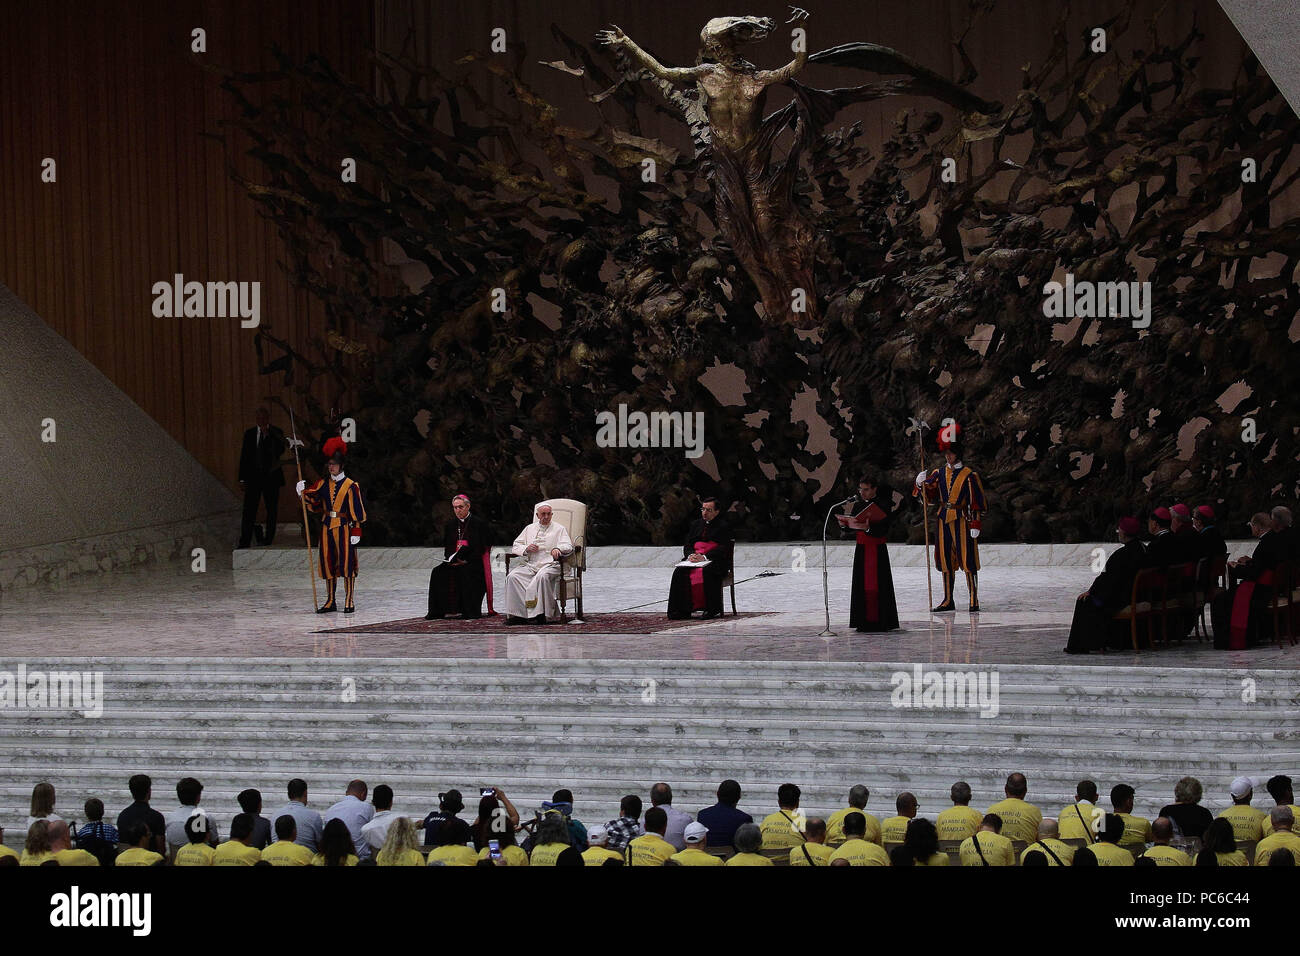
(700, 588)
(532, 584)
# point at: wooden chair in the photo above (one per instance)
(1181, 596)
(1211, 574)
(1148, 594)
(1281, 601)
(572, 515)
(730, 580)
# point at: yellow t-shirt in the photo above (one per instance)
(34, 859)
(455, 855)
(71, 857)
(779, 832)
(137, 856)
(403, 858)
(1020, 819)
(287, 853)
(1235, 858)
(195, 854)
(1247, 822)
(1078, 821)
(1136, 830)
(693, 857)
(938, 859)
(996, 848)
(1064, 852)
(649, 850)
(510, 855)
(597, 855)
(860, 853)
(234, 853)
(1111, 854)
(1282, 840)
(1266, 825)
(1168, 856)
(6, 852)
(821, 855)
(749, 859)
(835, 826)
(893, 829)
(547, 854)
(958, 822)
(319, 860)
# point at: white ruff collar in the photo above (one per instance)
(339, 477)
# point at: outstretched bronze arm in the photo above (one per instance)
(614, 36)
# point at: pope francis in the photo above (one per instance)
(531, 585)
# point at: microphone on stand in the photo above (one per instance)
(826, 591)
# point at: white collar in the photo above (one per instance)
(955, 466)
(339, 477)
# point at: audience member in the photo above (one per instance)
(1020, 818)
(598, 852)
(652, 848)
(1188, 816)
(355, 814)
(627, 827)
(857, 850)
(987, 846)
(286, 850)
(188, 793)
(696, 839)
(307, 822)
(1107, 850)
(920, 846)
(140, 840)
(961, 820)
(815, 852)
(1220, 844)
(336, 846)
(401, 844)
(36, 850)
(43, 804)
(198, 848)
(1082, 819)
(553, 840)
(1247, 821)
(894, 829)
(1279, 788)
(1049, 845)
(749, 840)
(375, 832)
(1162, 831)
(858, 797)
(139, 811)
(661, 796)
(1281, 838)
(724, 817)
(250, 801)
(1136, 829)
(501, 823)
(783, 829)
(239, 849)
(561, 800)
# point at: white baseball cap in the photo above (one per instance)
(696, 832)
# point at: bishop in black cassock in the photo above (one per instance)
(700, 589)
(459, 585)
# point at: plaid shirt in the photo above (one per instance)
(622, 832)
(105, 831)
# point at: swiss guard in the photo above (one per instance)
(957, 490)
(337, 499)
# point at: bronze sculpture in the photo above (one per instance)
(756, 212)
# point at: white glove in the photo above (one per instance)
(300, 486)
(974, 533)
(355, 539)
(921, 477)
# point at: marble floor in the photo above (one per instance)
(167, 611)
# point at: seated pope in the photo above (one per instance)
(532, 584)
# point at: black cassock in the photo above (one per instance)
(1094, 624)
(459, 587)
(700, 589)
(873, 607)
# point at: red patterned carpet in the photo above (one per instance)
(609, 623)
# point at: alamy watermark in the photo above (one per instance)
(52, 690)
(946, 690)
(1086, 299)
(210, 300)
(626, 429)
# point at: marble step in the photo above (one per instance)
(401, 732)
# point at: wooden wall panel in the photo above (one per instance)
(111, 91)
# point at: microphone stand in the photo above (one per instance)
(826, 587)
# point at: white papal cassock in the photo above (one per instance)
(531, 584)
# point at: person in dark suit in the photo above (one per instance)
(700, 589)
(1164, 548)
(458, 586)
(260, 477)
(1290, 546)
(1093, 625)
(1212, 545)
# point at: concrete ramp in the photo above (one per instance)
(112, 489)
(1272, 29)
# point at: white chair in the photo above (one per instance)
(572, 515)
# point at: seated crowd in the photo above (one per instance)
(354, 832)
(1161, 588)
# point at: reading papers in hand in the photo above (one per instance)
(688, 563)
